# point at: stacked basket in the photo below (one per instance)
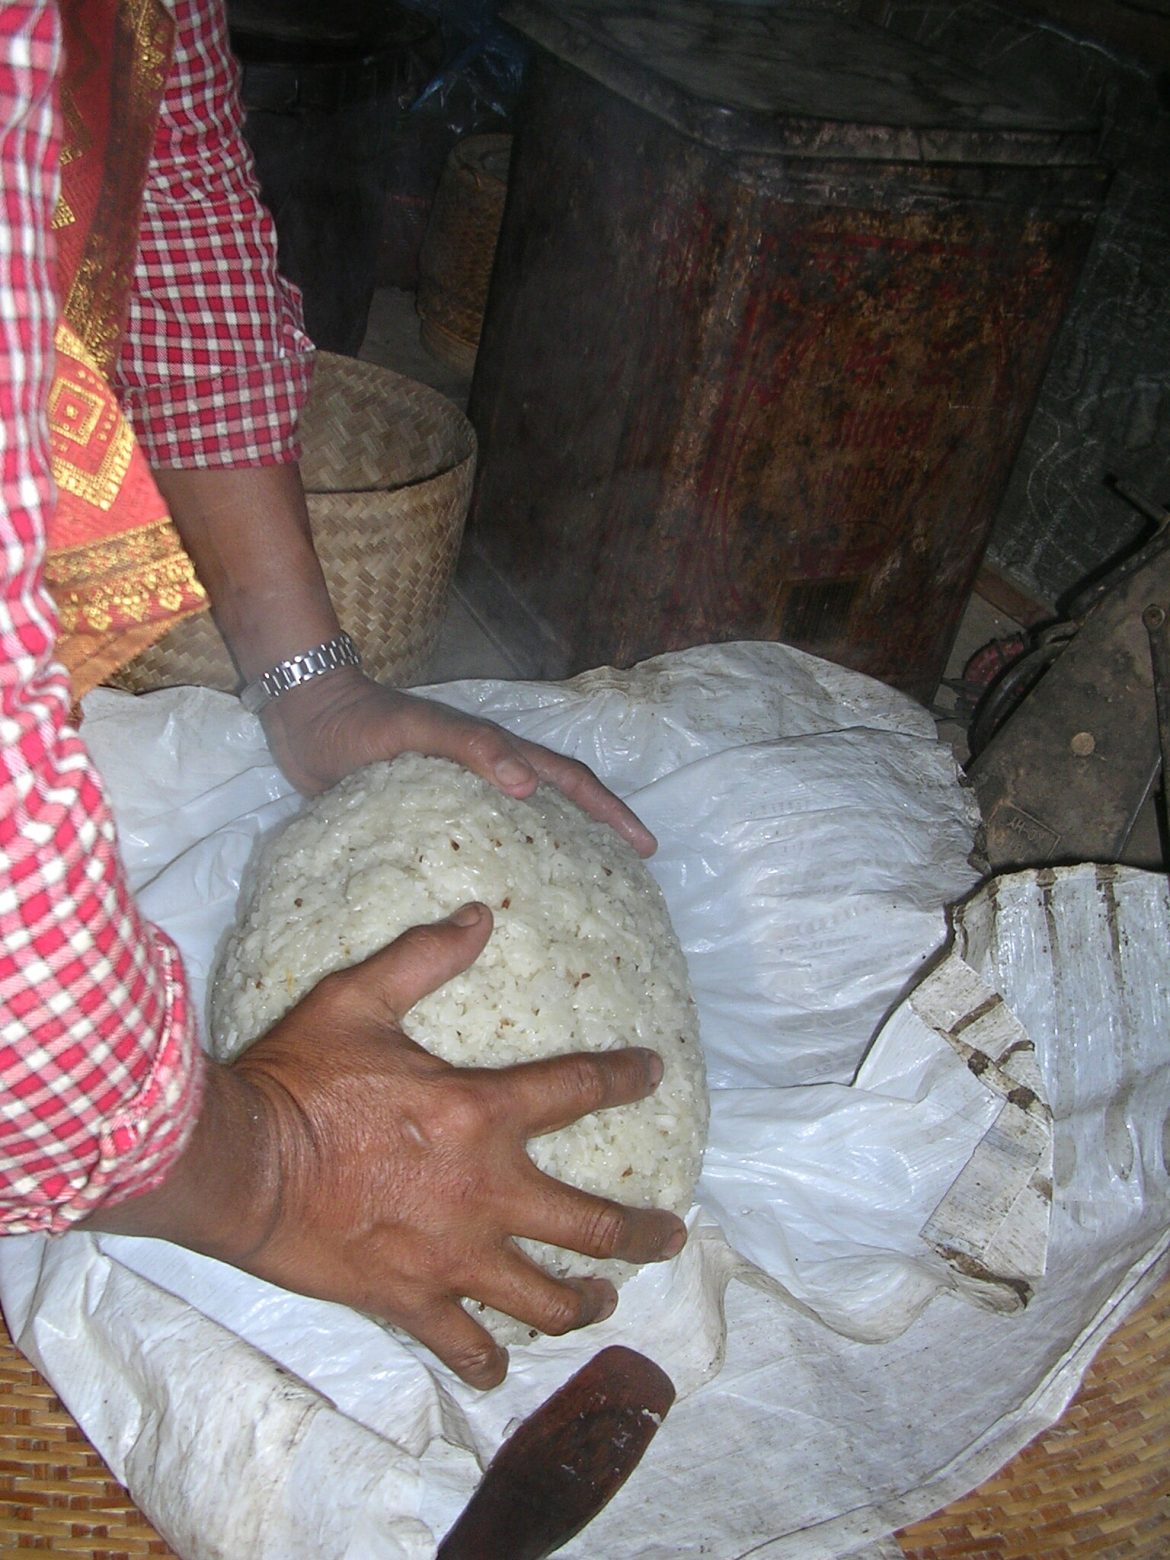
(455, 263)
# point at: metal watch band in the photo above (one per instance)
(286, 675)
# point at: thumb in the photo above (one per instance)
(426, 957)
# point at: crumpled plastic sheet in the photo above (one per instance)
(893, 1104)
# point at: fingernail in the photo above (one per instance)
(494, 1373)
(512, 771)
(675, 1244)
(466, 915)
(600, 1297)
(654, 1066)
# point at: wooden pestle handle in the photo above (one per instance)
(565, 1461)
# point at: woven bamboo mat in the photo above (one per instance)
(1096, 1484)
(56, 1494)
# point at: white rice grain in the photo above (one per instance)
(582, 958)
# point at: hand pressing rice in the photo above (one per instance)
(582, 958)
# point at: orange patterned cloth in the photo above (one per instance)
(116, 568)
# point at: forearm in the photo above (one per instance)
(247, 532)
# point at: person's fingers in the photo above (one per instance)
(479, 745)
(462, 1344)
(422, 959)
(578, 782)
(516, 766)
(545, 1095)
(520, 1288)
(562, 1215)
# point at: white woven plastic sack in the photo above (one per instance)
(866, 1189)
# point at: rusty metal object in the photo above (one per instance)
(750, 374)
(565, 1462)
(1045, 646)
(1065, 776)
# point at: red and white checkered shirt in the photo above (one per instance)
(100, 1069)
(216, 363)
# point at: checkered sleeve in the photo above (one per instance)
(100, 1071)
(216, 364)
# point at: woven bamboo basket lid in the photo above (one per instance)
(387, 465)
(455, 262)
(1096, 1484)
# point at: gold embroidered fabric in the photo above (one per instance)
(116, 567)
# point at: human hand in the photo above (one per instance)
(271, 601)
(337, 1158)
(332, 725)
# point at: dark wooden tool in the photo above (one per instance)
(565, 1462)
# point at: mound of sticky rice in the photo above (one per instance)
(582, 957)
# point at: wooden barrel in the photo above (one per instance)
(773, 295)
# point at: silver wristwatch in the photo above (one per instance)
(286, 675)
